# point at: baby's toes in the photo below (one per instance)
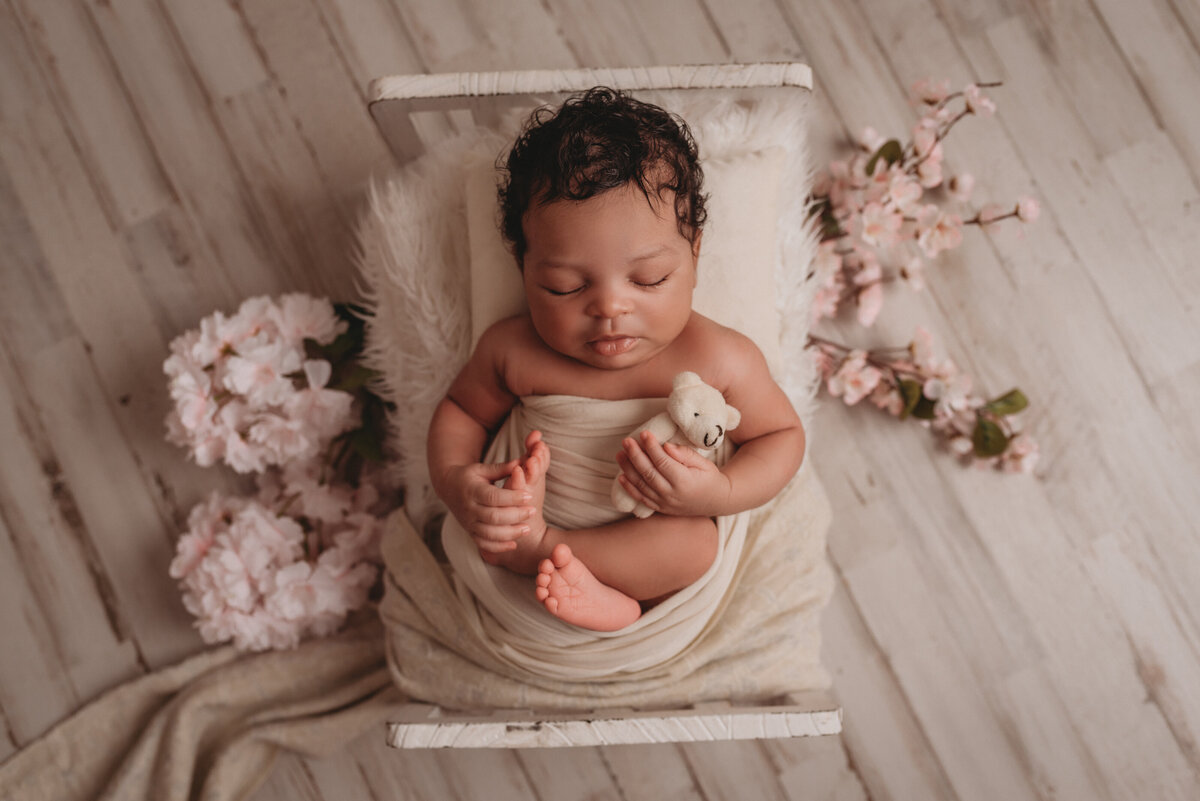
(516, 480)
(538, 462)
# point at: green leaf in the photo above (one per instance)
(924, 409)
(989, 439)
(1010, 403)
(890, 151)
(355, 377)
(367, 445)
(911, 390)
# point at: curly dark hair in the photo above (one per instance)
(598, 140)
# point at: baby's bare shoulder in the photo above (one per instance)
(507, 337)
(730, 356)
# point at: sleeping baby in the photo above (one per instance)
(603, 209)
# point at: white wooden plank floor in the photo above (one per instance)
(991, 637)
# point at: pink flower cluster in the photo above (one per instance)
(915, 382)
(872, 208)
(295, 559)
(244, 391)
(264, 580)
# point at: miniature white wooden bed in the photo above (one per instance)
(416, 111)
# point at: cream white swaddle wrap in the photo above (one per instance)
(474, 637)
(584, 435)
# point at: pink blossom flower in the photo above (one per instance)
(956, 393)
(821, 182)
(880, 226)
(903, 190)
(929, 91)
(869, 271)
(977, 102)
(823, 362)
(244, 575)
(961, 185)
(825, 303)
(827, 264)
(921, 348)
(261, 368)
(929, 171)
(913, 273)
(854, 379)
(283, 439)
(1021, 455)
(961, 445)
(887, 396)
(938, 116)
(944, 233)
(325, 412)
(925, 140)
(878, 185)
(301, 317)
(316, 500)
(870, 301)
(870, 139)
(1028, 209)
(317, 372)
(842, 197)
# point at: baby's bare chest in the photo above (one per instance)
(537, 371)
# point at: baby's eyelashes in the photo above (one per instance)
(562, 292)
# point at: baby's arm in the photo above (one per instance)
(475, 405)
(674, 479)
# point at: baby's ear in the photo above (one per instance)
(696, 245)
(733, 417)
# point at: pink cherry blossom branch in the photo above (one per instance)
(871, 212)
(935, 393)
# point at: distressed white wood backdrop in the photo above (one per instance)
(992, 637)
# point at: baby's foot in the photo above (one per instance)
(529, 475)
(571, 593)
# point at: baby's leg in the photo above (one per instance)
(595, 578)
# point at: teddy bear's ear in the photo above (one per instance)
(732, 417)
(686, 379)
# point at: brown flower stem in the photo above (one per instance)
(941, 134)
(976, 221)
(287, 504)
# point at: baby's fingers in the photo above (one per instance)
(662, 461)
(503, 515)
(490, 546)
(498, 534)
(637, 494)
(491, 496)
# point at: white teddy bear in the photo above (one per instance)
(696, 415)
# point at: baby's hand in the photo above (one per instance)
(494, 517)
(672, 479)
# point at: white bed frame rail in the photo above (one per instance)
(803, 715)
(413, 110)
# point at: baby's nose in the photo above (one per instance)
(609, 303)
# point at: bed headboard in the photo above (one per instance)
(415, 110)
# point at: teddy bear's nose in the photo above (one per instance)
(715, 440)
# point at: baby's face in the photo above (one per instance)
(609, 280)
